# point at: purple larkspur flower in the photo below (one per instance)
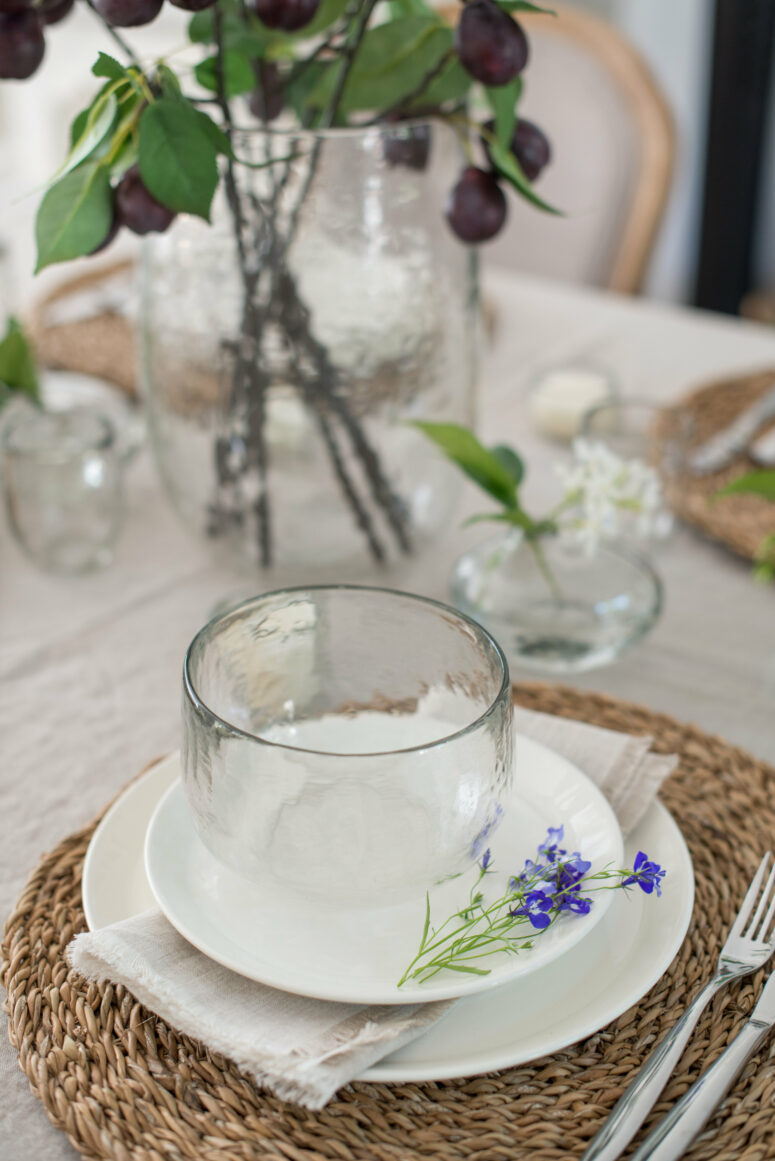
(571, 871)
(549, 848)
(646, 874)
(536, 906)
(575, 902)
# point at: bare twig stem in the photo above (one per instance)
(127, 49)
(247, 368)
(422, 87)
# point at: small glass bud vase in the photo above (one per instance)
(553, 607)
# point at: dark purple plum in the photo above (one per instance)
(21, 44)
(9, 6)
(476, 208)
(128, 13)
(193, 5)
(267, 99)
(286, 15)
(530, 146)
(53, 11)
(410, 146)
(137, 209)
(490, 44)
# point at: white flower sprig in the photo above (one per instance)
(600, 489)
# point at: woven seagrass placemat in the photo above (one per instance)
(123, 1085)
(739, 522)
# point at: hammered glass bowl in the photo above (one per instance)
(350, 744)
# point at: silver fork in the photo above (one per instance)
(744, 952)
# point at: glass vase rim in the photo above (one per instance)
(482, 635)
(333, 132)
(614, 547)
(54, 453)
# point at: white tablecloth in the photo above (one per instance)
(90, 667)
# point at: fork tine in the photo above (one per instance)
(768, 920)
(753, 926)
(750, 897)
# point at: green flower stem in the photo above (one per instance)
(543, 564)
(490, 930)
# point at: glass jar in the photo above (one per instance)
(63, 487)
(286, 346)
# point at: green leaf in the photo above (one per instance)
(178, 156)
(307, 80)
(513, 463)
(238, 75)
(108, 66)
(217, 136)
(482, 466)
(409, 8)
(513, 516)
(391, 62)
(78, 125)
(508, 166)
(170, 85)
(451, 84)
(74, 216)
(760, 483)
(524, 6)
(124, 159)
(17, 362)
(96, 128)
(503, 101)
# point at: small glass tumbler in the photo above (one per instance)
(348, 744)
(63, 488)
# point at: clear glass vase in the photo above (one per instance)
(552, 607)
(286, 345)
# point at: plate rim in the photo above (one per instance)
(453, 989)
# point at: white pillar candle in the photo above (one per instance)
(560, 398)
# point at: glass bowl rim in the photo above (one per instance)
(479, 631)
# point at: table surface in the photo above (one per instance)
(90, 667)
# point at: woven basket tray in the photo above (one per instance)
(123, 1085)
(739, 522)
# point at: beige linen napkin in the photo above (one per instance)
(304, 1050)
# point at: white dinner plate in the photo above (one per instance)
(611, 970)
(357, 954)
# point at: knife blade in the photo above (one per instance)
(732, 441)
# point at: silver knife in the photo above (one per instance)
(732, 441)
(677, 1130)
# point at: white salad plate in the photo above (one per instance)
(357, 953)
(533, 1015)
